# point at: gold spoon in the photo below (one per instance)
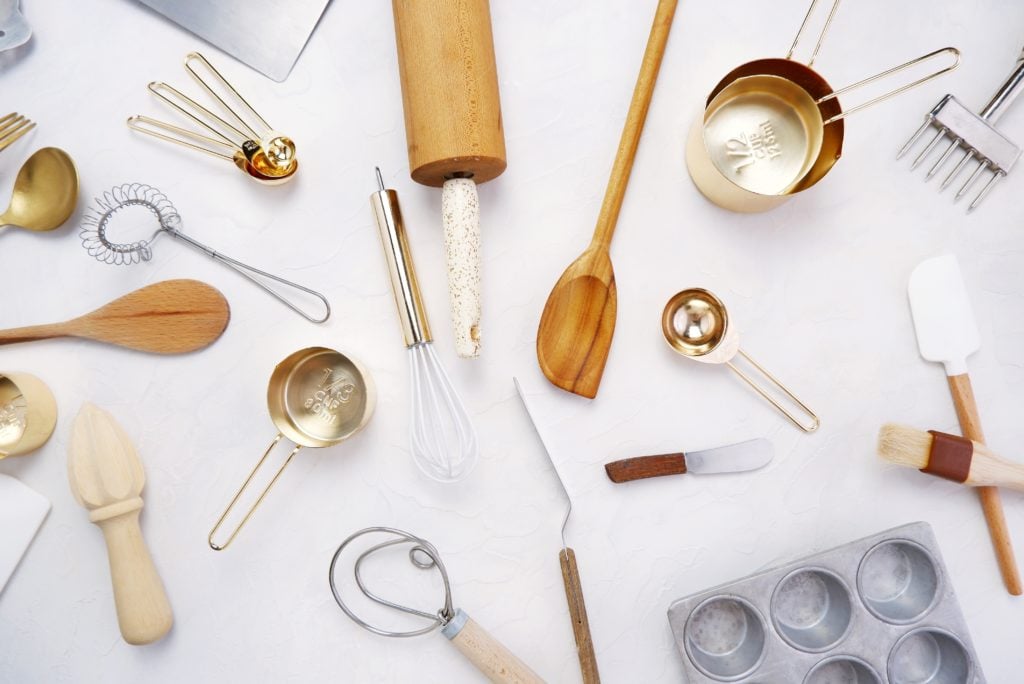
(696, 324)
(45, 192)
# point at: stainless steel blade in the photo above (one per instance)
(268, 35)
(735, 458)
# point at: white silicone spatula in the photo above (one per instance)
(22, 511)
(947, 334)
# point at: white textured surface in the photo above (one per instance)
(460, 210)
(817, 288)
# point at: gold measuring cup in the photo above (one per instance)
(317, 397)
(28, 414)
(696, 324)
(774, 127)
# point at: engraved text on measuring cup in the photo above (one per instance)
(330, 395)
(749, 148)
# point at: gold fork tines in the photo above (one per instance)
(12, 127)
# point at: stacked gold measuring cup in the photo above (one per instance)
(774, 127)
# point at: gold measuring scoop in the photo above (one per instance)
(696, 324)
(317, 397)
(774, 127)
(266, 155)
(28, 414)
(45, 192)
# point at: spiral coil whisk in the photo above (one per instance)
(97, 241)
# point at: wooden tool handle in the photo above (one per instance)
(488, 654)
(449, 90)
(970, 426)
(32, 333)
(460, 209)
(143, 612)
(634, 123)
(641, 467)
(989, 469)
(578, 613)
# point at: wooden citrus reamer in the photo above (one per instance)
(454, 132)
(106, 477)
(578, 322)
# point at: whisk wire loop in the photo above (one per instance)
(443, 441)
(97, 242)
(419, 550)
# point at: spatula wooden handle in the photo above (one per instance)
(991, 504)
(640, 467)
(32, 333)
(143, 612)
(635, 119)
(578, 613)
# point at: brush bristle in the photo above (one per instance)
(904, 445)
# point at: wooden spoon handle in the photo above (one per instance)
(970, 426)
(33, 332)
(578, 613)
(143, 611)
(640, 467)
(634, 122)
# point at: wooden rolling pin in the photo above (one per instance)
(454, 132)
(106, 477)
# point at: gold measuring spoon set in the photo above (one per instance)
(247, 140)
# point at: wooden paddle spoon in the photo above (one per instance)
(169, 317)
(578, 322)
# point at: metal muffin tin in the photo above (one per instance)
(878, 610)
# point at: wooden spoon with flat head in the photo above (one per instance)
(578, 322)
(169, 317)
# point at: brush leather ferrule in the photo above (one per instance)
(950, 457)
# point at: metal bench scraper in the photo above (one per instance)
(284, 28)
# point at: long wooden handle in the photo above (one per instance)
(640, 467)
(489, 655)
(634, 122)
(991, 470)
(578, 613)
(970, 426)
(32, 332)
(143, 612)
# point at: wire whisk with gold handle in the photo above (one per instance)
(247, 140)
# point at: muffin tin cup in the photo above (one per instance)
(879, 610)
(725, 637)
(842, 670)
(931, 655)
(811, 609)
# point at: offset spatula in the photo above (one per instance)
(735, 458)
(570, 573)
(947, 334)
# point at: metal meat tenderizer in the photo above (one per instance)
(975, 133)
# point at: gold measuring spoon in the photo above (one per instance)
(45, 192)
(696, 324)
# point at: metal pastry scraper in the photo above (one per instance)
(268, 35)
